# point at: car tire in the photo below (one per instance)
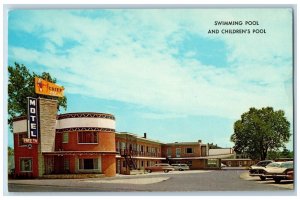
(180, 169)
(262, 178)
(277, 180)
(149, 171)
(166, 171)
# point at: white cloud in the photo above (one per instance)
(127, 58)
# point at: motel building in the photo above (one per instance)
(87, 145)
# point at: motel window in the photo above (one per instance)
(117, 147)
(142, 163)
(142, 148)
(178, 152)
(26, 164)
(240, 163)
(189, 163)
(189, 150)
(169, 151)
(123, 145)
(21, 136)
(124, 163)
(90, 163)
(229, 163)
(147, 163)
(88, 137)
(65, 137)
(66, 164)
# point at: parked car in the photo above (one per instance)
(160, 167)
(261, 171)
(290, 175)
(281, 172)
(180, 167)
(263, 163)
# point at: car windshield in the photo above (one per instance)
(287, 165)
(261, 164)
(274, 164)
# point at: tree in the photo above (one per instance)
(285, 153)
(259, 131)
(21, 86)
(10, 151)
(213, 146)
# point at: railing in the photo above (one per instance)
(124, 152)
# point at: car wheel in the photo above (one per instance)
(149, 171)
(166, 171)
(262, 178)
(180, 169)
(277, 180)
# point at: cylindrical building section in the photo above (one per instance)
(90, 139)
(86, 131)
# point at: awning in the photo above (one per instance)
(144, 158)
(80, 153)
(201, 158)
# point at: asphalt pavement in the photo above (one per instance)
(200, 181)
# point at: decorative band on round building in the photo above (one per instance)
(85, 129)
(86, 115)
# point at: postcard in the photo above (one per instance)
(147, 99)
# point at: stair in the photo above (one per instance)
(129, 162)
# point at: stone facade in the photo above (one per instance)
(48, 113)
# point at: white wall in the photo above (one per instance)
(213, 152)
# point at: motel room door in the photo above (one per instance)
(49, 164)
(118, 166)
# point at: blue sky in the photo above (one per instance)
(159, 71)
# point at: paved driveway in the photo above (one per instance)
(188, 181)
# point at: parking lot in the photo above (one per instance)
(286, 184)
(186, 181)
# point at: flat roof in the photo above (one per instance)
(138, 137)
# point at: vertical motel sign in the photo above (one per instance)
(32, 119)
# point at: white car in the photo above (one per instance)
(180, 167)
(260, 171)
(281, 172)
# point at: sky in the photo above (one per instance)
(160, 71)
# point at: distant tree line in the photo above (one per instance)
(285, 153)
(213, 146)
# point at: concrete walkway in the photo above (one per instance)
(148, 178)
(136, 181)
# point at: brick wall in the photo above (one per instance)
(106, 142)
(196, 150)
(25, 152)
